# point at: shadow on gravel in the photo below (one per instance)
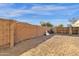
(23, 46)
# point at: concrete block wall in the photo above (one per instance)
(26, 31)
(5, 32)
(12, 32)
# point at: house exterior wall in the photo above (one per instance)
(76, 24)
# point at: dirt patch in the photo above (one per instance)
(58, 45)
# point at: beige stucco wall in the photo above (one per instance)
(76, 24)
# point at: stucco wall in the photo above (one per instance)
(75, 24)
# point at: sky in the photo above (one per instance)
(34, 13)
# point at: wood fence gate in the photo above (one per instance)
(67, 30)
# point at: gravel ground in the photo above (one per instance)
(57, 45)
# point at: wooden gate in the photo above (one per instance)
(62, 30)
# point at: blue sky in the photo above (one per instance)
(55, 13)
